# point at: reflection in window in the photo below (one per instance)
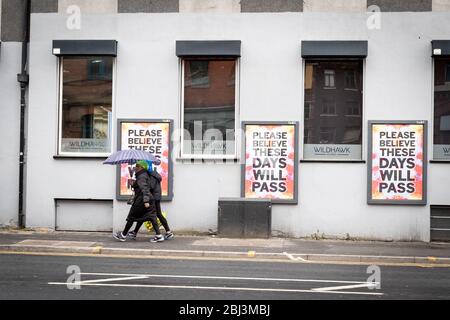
(337, 110)
(351, 135)
(209, 107)
(327, 135)
(198, 73)
(308, 110)
(86, 106)
(308, 135)
(99, 69)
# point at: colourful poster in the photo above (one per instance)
(151, 136)
(397, 163)
(270, 169)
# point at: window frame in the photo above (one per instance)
(187, 156)
(364, 127)
(64, 154)
(432, 122)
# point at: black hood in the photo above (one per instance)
(139, 173)
(156, 175)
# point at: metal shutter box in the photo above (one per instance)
(245, 218)
(440, 223)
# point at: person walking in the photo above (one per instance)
(143, 205)
(155, 189)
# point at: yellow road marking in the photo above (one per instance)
(91, 255)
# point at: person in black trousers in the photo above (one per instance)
(143, 206)
(155, 189)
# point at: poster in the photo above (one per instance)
(271, 158)
(397, 162)
(151, 136)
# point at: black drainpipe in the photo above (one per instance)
(23, 79)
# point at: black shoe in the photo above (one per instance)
(131, 235)
(158, 238)
(169, 235)
(119, 236)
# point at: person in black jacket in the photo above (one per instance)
(143, 205)
(155, 189)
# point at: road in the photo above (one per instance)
(44, 277)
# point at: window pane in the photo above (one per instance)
(209, 107)
(86, 104)
(441, 149)
(333, 129)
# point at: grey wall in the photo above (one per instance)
(12, 20)
(271, 6)
(11, 32)
(131, 6)
(44, 6)
(149, 6)
(402, 5)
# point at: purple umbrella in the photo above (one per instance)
(130, 156)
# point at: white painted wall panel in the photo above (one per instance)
(82, 215)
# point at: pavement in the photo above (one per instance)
(213, 247)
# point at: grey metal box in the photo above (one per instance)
(245, 218)
(440, 223)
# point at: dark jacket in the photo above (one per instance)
(142, 190)
(155, 184)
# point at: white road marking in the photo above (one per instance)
(291, 257)
(221, 278)
(109, 280)
(123, 277)
(218, 288)
(363, 285)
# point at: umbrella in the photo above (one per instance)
(130, 156)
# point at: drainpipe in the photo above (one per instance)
(23, 79)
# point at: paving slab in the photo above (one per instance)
(55, 243)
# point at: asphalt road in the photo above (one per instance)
(44, 277)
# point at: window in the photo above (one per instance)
(350, 79)
(329, 78)
(353, 109)
(209, 108)
(308, 110)
(328, 107)
(338, 128)
(447, 73)
(86, 105)
(441, 123)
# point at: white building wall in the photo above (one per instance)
(332, 197)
